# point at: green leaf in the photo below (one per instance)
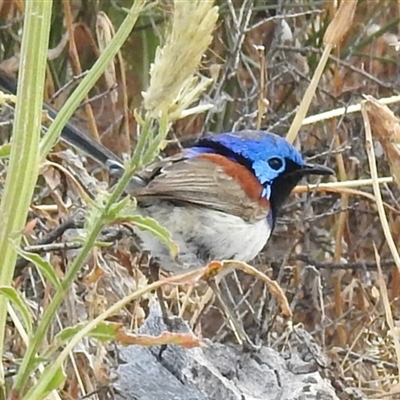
(117, 208)
(43, 266)
(69, 332)
(56, 382)
(98, 243)
(103, 331)
(5, 150)
(15, 298)
(39, 360)
(158, 231)
(106, 331)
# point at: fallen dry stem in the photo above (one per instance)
(346, 184)
(341, 190)
(337, 28)
(388, 309)
(374, 175)
(71, 178)
(340, 112)
(216, 267)
(386, 127)
(308, 96)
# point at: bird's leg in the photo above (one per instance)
(154, 268)
(236, 325)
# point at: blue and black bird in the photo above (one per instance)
(219, 198)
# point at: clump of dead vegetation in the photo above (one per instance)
(334, 252)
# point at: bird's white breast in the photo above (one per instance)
(203, 235)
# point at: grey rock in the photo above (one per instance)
(216, 372)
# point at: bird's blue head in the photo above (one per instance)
(273, 160)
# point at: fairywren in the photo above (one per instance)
(219, 198)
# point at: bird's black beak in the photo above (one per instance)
(316, 169)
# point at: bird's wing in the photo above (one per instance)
(199, 181)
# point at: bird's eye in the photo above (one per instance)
(275, 163)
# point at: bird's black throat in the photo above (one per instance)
(283, 185)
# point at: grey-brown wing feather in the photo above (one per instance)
(199, 182)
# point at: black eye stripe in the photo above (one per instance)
(225, 151)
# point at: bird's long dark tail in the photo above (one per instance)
(71, 134)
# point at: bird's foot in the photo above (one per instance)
(249, 347)
(235, 324)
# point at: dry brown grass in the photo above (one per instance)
(329, 240)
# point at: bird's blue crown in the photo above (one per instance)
(265, 153)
